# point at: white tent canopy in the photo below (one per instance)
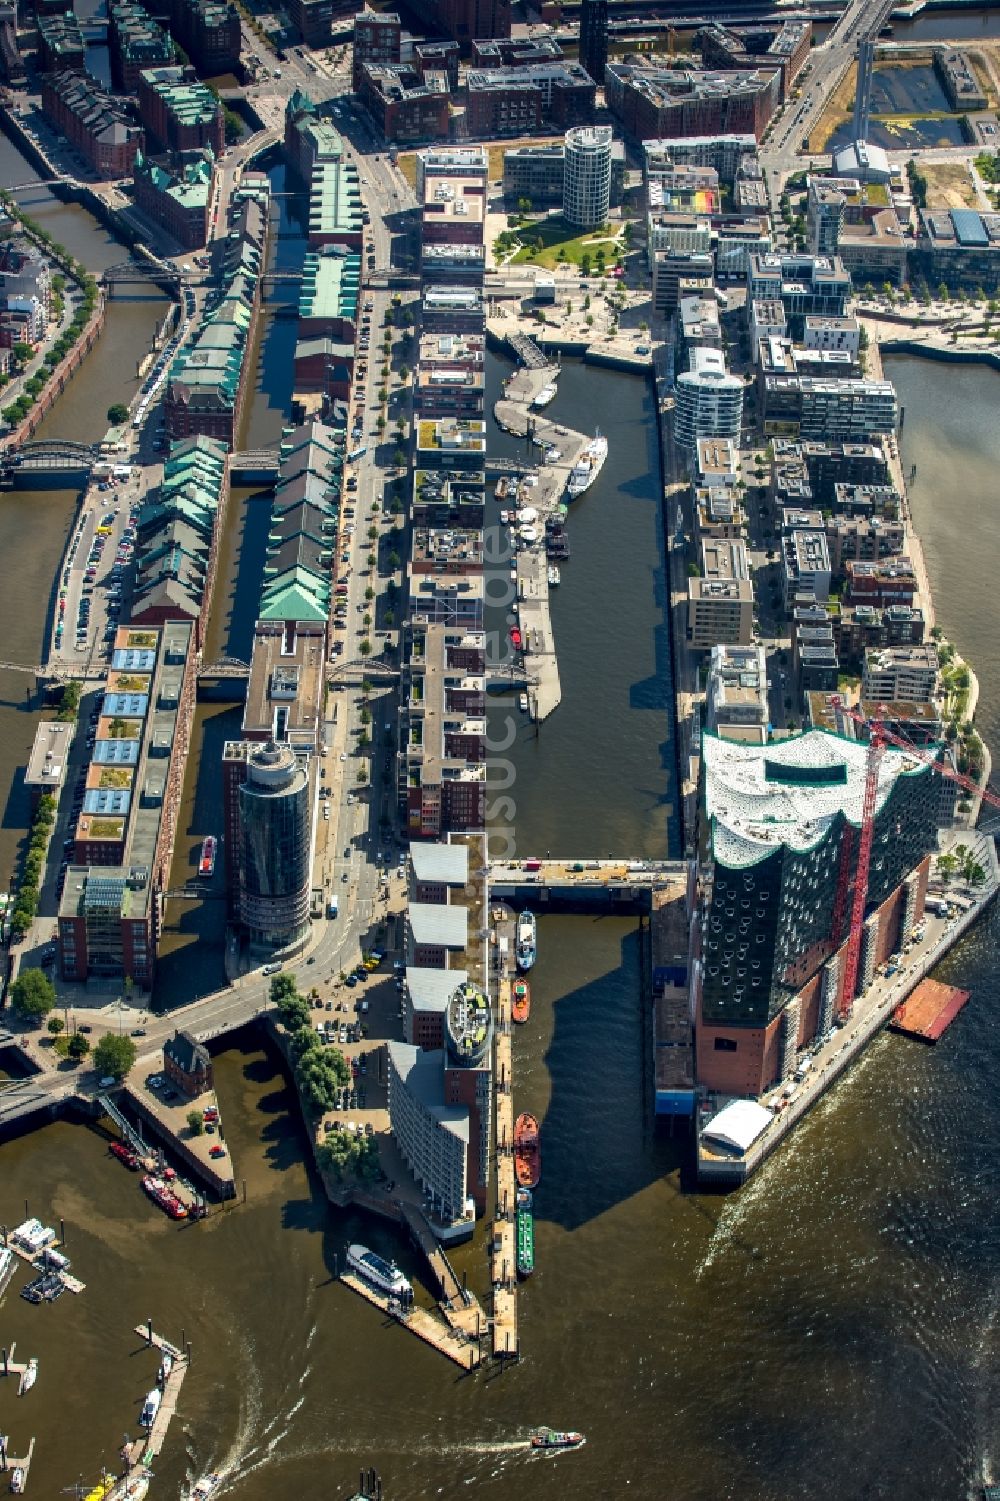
(738, 1125)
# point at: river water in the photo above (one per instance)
(828, 1332)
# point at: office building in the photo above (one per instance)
(174, 192)
(652, 100)
(503, 102)
(268, 807)
(594, 38)
(178, 533)
(111, 907)
(828, 409)
(725, 154)
(95, 122)
(958, 78)
(61, 48)
(774, 839)
(587, 177)
(463, 20)
(179, 112)
(672, 267)
(432, 1135)
(803, 284)
(209, 31)
(377, 37)
(784, 46)
(709, 401)
(736, 696)
(314, 20)
(442, 768)
(537, 173)
(298, 571)
(335, 207)
(407, 108)
(720, 600)
(825, 210)
(135, 42)
(960, 247)
(806, 562)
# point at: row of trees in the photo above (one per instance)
(320, 1071)
(18, 409)
(961, 861)
(26, 904)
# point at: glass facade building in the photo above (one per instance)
(274, 874)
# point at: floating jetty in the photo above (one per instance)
(424, 1325)
(10, 1462)
(19, 1368)
(503, 1240)
(142, 1450)
(929, 1010)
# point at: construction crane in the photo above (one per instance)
(878, 737)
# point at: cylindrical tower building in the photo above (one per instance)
(587, 175)
(274, 834)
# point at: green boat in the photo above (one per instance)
(525, 1234)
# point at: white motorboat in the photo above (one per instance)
(554, 576)
(28, 1377)
(587, 467)
(545, 395)
(150, 1408)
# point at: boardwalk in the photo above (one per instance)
(503, 1253)
(460, 1308)
(420, 1322)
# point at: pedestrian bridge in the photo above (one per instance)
(561, 883)
(254, 466)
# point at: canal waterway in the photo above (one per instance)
(829, 1331)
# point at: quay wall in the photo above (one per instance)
(61, 376)
(947, 355)
(732, 1174)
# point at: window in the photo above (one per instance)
(725, 1045)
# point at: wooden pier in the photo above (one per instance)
(141, 1450)
(10, 1462)
(461, 1309)
(11, 1367)
(419, 1321)
(36, 1261)
(503, 1248)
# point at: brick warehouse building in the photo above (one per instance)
(773, 838)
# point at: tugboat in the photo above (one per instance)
(520, 1006)
(526, 940)
(551, 1438)
(525, 1233)
(527, 1151)
(206, 1486)
(206, 864)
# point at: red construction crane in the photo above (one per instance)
(878, 737)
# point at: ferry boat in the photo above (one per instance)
(520, 1006)
(522, 702)
(150, 1408)
(551, 1438)
(545, 395)
(525, 1233)
(554, 576)
(526, 944)
(164, 1198)
(125, 1154)
(382, 1274)
(28, 1377)
(587, 467)
(206, 865)
(527, 1151)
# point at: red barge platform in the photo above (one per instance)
(929, 1010)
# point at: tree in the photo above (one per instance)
(233, 127)
(114, 1055)
(55, 1025)
(947, 866)
(77, 1047)
(320, 1073)
(393, 559)
(524, 205)
(32, 995)
(117, 412)
(196, 1122)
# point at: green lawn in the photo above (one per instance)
(557, 236)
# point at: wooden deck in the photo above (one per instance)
(503, 1250)
(423, 1324)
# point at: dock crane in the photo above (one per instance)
(879, 735)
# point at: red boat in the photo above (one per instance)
(125, 1154)
(161, 1196)
(520, 1006)
(527, 1151)
(516, 639)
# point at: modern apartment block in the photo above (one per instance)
(408, 107)
(720, 600)
(135, 42)
(901, 672)
(95, 122)
(803, 284)
(179, 111)
(442, 769)
(652, 100)
(736, 697)
(778, 823)
(828, 409)
(708, 400)
(110, 910)
(587, 176)
(503, 102)
(377, 37)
